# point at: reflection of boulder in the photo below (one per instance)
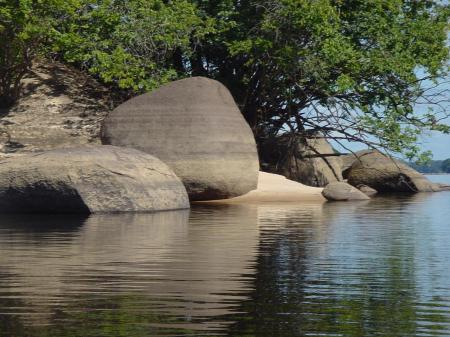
(159, 262)
(195, 127)
(386, 174)
(311, 162)
(89, 179)
(340, 191)
(156, 268)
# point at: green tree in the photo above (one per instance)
(352, 69)
(135, 45)
(25, 27)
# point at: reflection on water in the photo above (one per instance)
(375, 268)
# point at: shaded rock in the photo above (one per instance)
(311, 162)
(89, 179)
(348, 160)
(195, 127)
(367, 190)
(386, 174)
(56, 99)
(340, 191)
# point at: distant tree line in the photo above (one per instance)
(351, 70)
(433, 166)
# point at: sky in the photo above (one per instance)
(437, 143)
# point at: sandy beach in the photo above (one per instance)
(276, 188)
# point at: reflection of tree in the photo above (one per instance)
(362, 284)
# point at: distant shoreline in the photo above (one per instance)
(436, 174)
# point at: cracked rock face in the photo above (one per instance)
(195, 127)
(89, 179)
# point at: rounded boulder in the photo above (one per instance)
(340, 191)
(196, 128)
(386, 175)
(89, 179)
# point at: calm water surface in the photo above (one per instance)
(375, 268)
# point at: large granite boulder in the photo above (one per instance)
(386, 174)
(310, 161)
(340, 191)
(195, 127)
(89, 179)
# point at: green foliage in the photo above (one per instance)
(132, 44)
(348, 69)
(24, 27)
(354, 70)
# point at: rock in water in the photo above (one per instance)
(89, 179)
(386, 174)
(340, 191)
(195, 127)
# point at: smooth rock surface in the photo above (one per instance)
(386, 174)
(340, 191)
(195, 127)
(87, 180)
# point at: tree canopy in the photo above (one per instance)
(351, 70)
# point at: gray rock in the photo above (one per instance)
(195, 127)
(348, 161)
(367, 190)
(340, 191)
(313, 162)
(89, 179)
(386, 174)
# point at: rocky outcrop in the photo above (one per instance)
(59, 107)
(340, 191)
(87, 180)
(311, 161)
(195, 127)
(386, 174)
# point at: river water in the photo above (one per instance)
(367, 268)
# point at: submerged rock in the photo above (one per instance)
(340, 191)
(195, 127)
(89, 179)
(386, 174)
